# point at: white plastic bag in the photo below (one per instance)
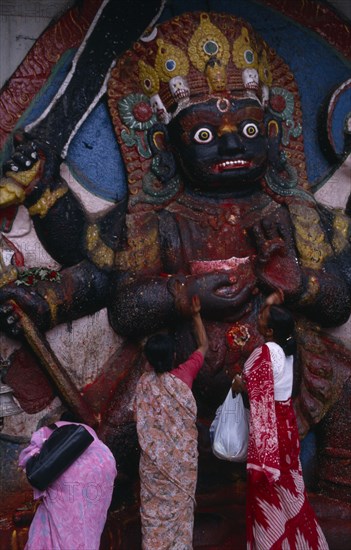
(229, 430)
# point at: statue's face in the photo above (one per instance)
(220, 147)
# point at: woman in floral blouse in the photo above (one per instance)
(165, 411)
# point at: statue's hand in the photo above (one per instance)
(277, 265)
(32, 165)
(13, 297)
(223, 295)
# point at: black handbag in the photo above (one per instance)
(59, 451)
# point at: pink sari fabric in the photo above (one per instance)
(73, 509)
(278, 514)
(165, 412)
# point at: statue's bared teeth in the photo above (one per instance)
(230, 165)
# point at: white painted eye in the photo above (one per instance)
(250, 130)
(203, 135)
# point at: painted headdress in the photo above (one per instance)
(190, 59)
(219, 60)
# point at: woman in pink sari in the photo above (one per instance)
(165, 411)
(278, 514)
(73, 509)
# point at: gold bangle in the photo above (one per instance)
(47, 201)
(311, 291)
(101, 254)
(53, 302)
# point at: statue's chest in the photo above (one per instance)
(213, 235)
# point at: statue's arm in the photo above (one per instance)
(32, 177)
(327, 286)
(139, 305)
(81, 290)
(326, 299)
(309, 259)
(85, 249)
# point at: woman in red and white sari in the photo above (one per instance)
(278, 515)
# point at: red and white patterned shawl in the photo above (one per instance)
(263, 450)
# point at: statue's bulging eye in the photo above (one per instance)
(250, 130)
(203, 135)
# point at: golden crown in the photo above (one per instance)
(201, 54)
(221, 55)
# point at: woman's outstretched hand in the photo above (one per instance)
(186, 305)
(182, 301)
(276, 298)
(190, 306)
(195, 305)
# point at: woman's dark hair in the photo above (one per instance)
(69, 416)
(159, 351)
(281, 321)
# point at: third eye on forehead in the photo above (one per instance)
(201, 115)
